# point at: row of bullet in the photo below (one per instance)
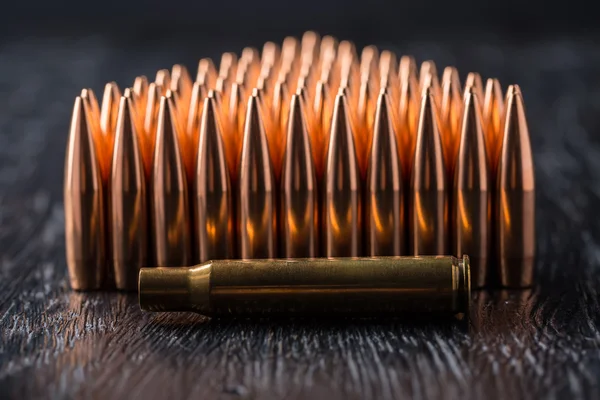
(305, 150)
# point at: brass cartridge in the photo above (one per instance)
(365, 287)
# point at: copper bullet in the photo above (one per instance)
(170, 204)
(199, 93)
(474, 80)
(213, 206)
(149, 127)
(227, 69)
(515, 197)
(84, 205)
(429, 73)
(299, 203)
(493, 111)
(321, 124)
(128, 210)
(207, 74)
(428, 210)
(471, 204)
(181, 82)
(385, 220)
(342, 197)
(163, 80)
(257, 220)
(140, 88)
(108, 122)
(408, 117)
(451, 114)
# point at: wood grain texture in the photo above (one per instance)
(54, 343)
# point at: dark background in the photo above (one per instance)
(538, 343)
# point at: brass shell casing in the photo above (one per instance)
(366, 287)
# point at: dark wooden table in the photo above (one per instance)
(55, 343)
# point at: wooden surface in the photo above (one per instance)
(55, 343)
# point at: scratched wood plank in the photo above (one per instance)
(55, 343)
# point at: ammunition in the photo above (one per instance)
(84, 208)
(307, 148)
(471, 203)
(342, 202)
(384, 205)
(299, 205)
(515, 197)
(428, 209)
(493, 111)
(170, 203)
(361, 287)
(213, 206)
(257, 210)
(128, 210)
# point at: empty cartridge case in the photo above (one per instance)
(365, 287)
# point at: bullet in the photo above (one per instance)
(128, 210)
(385, 214)
(408, 115)
(471, 204)
(350, 287)
(150, 119)
(181, 82)
(84, 205)
(474, 80)
(451, 114)
(163, 80)
(197, 96)
(342, 201)
(213, 205)
(428, 209)
(321, 124)
(388, 72)
(170, 204)
(299, 202)
(108, 122)
(515, 197)
(207, 74)
(140, 88)
(493, 111)
(428, 73)
(257, 209)
(227, 69)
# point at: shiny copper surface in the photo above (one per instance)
(170, 202)
(84, 205)
(471, 204)
(428, 207)
(257, 209)
(128, 201)
(342, 197)
(299, 201)
(213, 204)
(451, 112)
(515, 200)
(493, 114)
(384, 204)
(353, 202)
